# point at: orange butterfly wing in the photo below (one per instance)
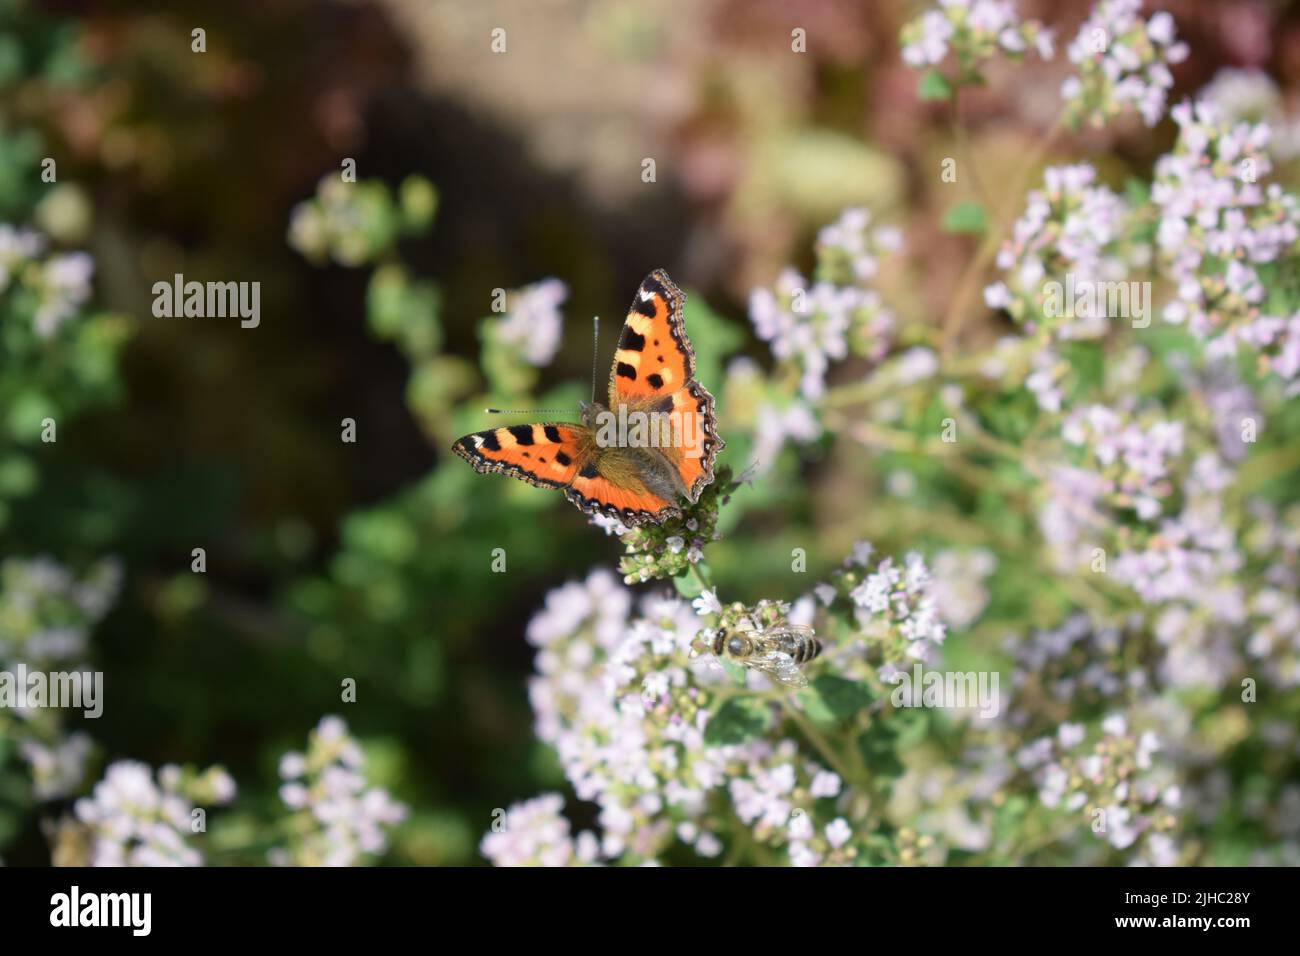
(654, 356)
(655, 364)
(558, 455)
(547, 454)
(596, 493)
(654, 369)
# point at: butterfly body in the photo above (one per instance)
(635, 457)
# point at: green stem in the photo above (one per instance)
(968, 283)
(820, 743)
(960, 137)
(700, 576)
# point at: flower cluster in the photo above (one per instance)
(671, 742)
(776, 426)
(532, 324)
(1223, 235)
(623, 702)
(47, 611)
(1129, 453)
(1251, 96)
(1123, 63)
(1272, 545)
(1071, 236)
(1114, 783)
(132, 820)
(810, 326)
(975, 31)
(46, 615)
(1061, 670)
(774, 790)
(1187, 574)
(535, 833)
(57, 768)
(338, 818)
(353, 223)
(894, 607)
(673, 547)
(959, 585)
(53, 286)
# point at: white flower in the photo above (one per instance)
(775, 427)
(838, 832)
(535, 833)
(1120, 830)
(975, 30)
(825, 784)
(1117, 69)
(345, 818)
(57, 770)
(1070, 237)
(17, 248)
(958, 584)
(810, 325)
(1070, 735)
(64, 287)
(534, 323)
(1161, 28)
(133, 821)
(707, 602)
(931, 46)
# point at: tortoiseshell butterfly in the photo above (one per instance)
(651, 446)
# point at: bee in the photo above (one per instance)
(776, 651)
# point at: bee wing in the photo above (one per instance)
(805, 629)
(790, 630)
(780, 667)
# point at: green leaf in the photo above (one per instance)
(966, 217)
(738, 720)
(1136, 191)
(934, 87)
(688, 585)
(839, 697)
(878, 745)
(814, 706)
(912, 730)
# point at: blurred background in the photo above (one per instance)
(371, 560)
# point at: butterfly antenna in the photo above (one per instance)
(595, 353)
(595, 345)
(526, 411)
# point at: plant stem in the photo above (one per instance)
(968, 283)
(701, 576)
(960, 137)
(819, 742)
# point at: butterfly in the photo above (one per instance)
(635, 458)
